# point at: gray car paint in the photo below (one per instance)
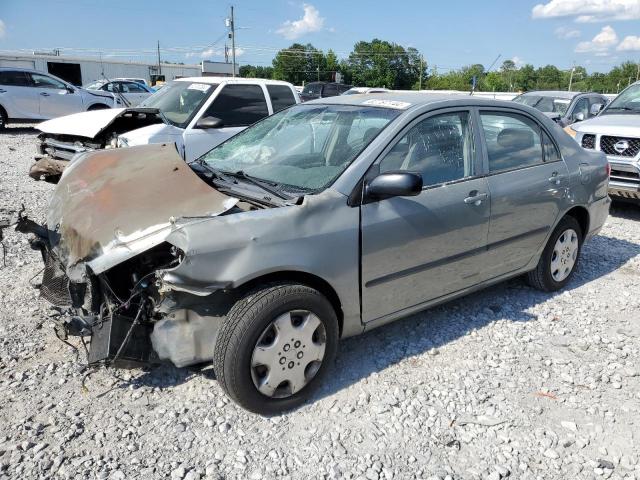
(319, 239)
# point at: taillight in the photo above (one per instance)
(608, 169)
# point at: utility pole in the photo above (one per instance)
(231, 25)
(638, 72)
(421, 69)
(573, 69)
(318, 69)
(159, 67)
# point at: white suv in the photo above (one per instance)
(28, 96)
(195, 114)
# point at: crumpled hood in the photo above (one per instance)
(611, 124)
(83, 124)
(114, 204)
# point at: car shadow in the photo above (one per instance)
(9, 130)
(379, 349)
(627, 210)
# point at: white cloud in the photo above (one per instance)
(566, 33)
(589, 10)
(517, 61)
(214, 52)
(600, 44)
(3, 29)
(310, 22)
(630, 43)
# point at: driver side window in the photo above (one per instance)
(440, 148)
(44, 81)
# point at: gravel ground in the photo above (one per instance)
(509, 382)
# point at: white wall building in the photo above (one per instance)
(81, 71)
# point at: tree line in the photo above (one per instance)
(380, 63)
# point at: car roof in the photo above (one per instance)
(553, 93)
(391, 98)
(212, 80)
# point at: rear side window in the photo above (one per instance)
(330, 90)
(239, 105)
(135, 88)
(14, 79)
(281, 97)
(513, 141)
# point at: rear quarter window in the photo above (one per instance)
(281, 97)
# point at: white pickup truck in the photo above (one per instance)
(195, 113)
(616, 132)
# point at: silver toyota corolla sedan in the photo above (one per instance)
(317, 223)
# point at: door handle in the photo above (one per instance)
(44, 94)
(2, 90)
(555, 178)
(475, 198)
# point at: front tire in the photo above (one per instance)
(98, 106)
(275, 347)
(560, 257)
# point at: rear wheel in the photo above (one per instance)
(3, 119)
(275, 347)
(559, 258)
(98, 106)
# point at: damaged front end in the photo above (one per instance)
(103, 245)
(62, 139)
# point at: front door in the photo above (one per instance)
(416, 249)
(528, 183)
(238, 106)
(55, 99)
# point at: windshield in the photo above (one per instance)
(312, 89)
(627, 101)
(179, 101)
(94, 86)
(305, 147)
(545, 103)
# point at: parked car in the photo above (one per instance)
(314, 90)
(361, 90)
(194, 113)
(133, 92)
(318, 223)
(27, 96)
(616, 132)
(564, 107)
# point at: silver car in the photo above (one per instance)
(320, 222)
(27, 96)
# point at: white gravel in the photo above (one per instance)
(509, 382)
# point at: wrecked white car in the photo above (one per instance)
(194, 113)
(319, 222)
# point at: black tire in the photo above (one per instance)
(3, 119)
(244, 326)
(98, 106)
(541, 277)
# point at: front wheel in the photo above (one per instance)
(275, 346)
(559, 258)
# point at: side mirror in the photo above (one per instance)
(595, 109)
(394, 184)
(208, 123)
(70, 90)
(578, 117)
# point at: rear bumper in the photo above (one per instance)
(598, 213)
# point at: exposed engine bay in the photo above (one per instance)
(56, 150)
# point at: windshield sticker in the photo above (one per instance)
(562, 100)
(203, 87)
(388, 104)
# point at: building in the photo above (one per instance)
(81, 71)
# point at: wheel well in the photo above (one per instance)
(98, 106)
(582, 216)
(3, 112)
(304, 278)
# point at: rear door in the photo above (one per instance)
(238, 106)
(17, 96)
(281, 97)
(416, 249)
(55, 99)
(528, 182)
(134, 92)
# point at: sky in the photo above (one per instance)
(597, 34)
